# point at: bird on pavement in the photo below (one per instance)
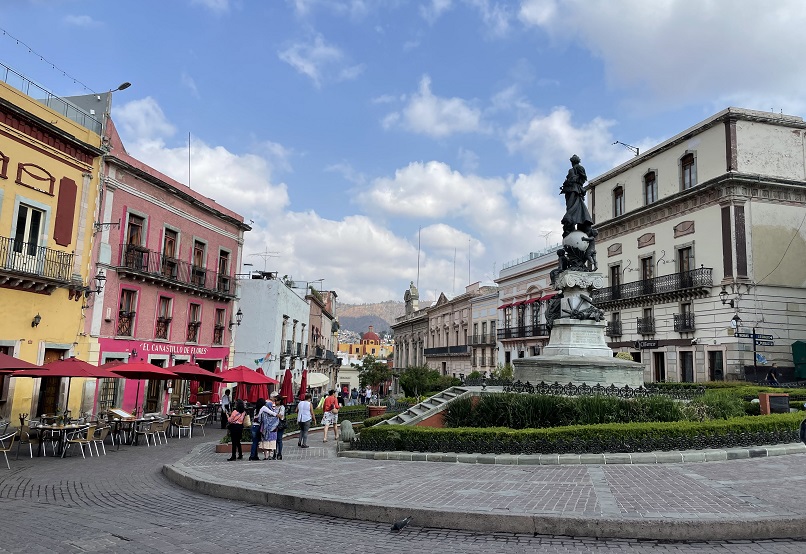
(400, 524)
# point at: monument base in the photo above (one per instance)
(575, 337)
(590, 370)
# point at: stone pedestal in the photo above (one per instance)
(575, 337)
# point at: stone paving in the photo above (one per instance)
(123, 503)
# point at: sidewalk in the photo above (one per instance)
(752, 498)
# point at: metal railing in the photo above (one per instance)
(193, 331)
(696, 278)
(330, 356)
(288, 348)
(163, 327)
(684, 323)
(28, 257)
(125, 324)
(44, 96)
(523, 331)
(646, 325)
(488, 338)
(143, 260)
(613, 329)
(318, 352)
(462, 350)
(218, 334)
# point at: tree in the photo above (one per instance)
(373, 372)
(416, 380)
(503, 372)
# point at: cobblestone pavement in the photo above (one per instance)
(122, 503)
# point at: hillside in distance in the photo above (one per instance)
(358, 317)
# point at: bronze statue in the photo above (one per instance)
(577, 217)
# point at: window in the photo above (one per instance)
(618, 201)
(535, 315)
(218, 329)
(169, 251)
(647, 267)
(126, 312)
(688, 175)
(521, 315)
(134, 232)
(27, 230)
(199, 276)
(163, 328)
(685, 259)
(508, 317)
(194, 322)
(615, 275)
(650, 188)
(107, 393)
(223, 283)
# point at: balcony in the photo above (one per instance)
(330, 356)
(218, 334)
(288, 348)
(613, 329)
(125, 324)
(696, 282)
(318, 352)
(193, 331)
(524, 331)
(298, 351)
(138, 261)
(646, 325)
(24, 265)
(463, 350)
(488, 338)
(163, 328)
(684, 323)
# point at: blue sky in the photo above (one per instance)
(342, 127)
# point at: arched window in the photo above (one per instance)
(618, 201)
(688, 171)
(650, 188)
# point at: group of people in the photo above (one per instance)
(347, 397)
(269, 424)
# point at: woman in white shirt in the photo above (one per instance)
(305, 417)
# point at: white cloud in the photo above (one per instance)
(678, 52)
(468, 159)
(433, 10)
(435, 116)
(319, 60)
(143, 119)
(190, 83)
(348, 172)
(81, 21)
(495, 16)
(216, 6)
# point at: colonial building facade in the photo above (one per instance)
(702, 241)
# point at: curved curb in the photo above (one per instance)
(702, 529)
(670, 457)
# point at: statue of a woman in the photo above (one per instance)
(577, 216)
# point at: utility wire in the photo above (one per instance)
(788, 246)
(41, 57)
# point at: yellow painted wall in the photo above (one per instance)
(62, 323)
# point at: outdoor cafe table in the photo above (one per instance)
(61, 431)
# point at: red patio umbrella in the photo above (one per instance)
(246, 376)
(258, 391)
(69, 367)
(142, 370)
(186, 371)
(8, 364)
(303, 384)
(287, 388)
(194, 386)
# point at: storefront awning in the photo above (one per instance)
(531, 301)
(549, 295)
(503, 306)
(519, 302)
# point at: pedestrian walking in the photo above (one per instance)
(354, 397)
(281, 425)
(305, 418)
(236, 421)
(331, 415)
(225, 408)
(368, 395)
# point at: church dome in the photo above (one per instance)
(370, 336)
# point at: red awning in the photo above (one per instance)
(502, 306)
(549, 295)
(531, 301)
(519, 302)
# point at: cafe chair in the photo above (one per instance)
(160, 430)
(99, 437)
(28, 436)
(82, 437)
(6, 443)
(201, 421)
(184, 422)
(146, 429)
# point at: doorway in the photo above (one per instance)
(153, 390)
(50, 387)
(178, 389)
(716, 370)
(659, 362)
(687, 367)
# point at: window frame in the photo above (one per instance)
(688, 168)
(650, 186)
(618, 200)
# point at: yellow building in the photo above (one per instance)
(49, 165)
(371, 344)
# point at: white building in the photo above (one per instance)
(483, 337)
(274, 331)
(717, 210)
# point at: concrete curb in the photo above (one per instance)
(671, 457)
(660, 528)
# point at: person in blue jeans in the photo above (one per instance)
(279, 407)
(260, 410)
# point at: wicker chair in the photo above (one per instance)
(6, 444)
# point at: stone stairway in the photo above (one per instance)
(428, 407)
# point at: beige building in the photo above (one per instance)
(702, 240)
(483, 338)
(524, 291)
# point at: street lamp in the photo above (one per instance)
(100, 279)
(238, 319)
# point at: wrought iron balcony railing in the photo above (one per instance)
(169, 269)
(684, 323)
(218, 334)
(26, 257)
(646, 325)
(613, 329)
(125, 324)
(288, 348)
(487, 338)
(676, 282)
(318, 352)
(524, 331)
(193, 331)
(163, 328)
(462, 350)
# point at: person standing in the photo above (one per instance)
(354, 397)
(331, 415)
(305, 417)
(268, 431)
(261, 411)
(280, 409)
(368, 395)
(236, 419)
(225, 409)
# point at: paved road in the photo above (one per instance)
(122, 503)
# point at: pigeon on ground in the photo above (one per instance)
(400, 524)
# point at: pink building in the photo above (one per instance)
(170, 257)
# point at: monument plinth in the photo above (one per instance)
(577, 351)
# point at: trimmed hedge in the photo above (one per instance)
(370, 421)
(579, 439)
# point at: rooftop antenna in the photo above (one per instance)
(634, 149)
(189, 159)
(266, 255)
(453, 283)
(419, 232)
(468, 261)
(546, 235)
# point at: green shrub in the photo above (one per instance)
(612, 437)
(370, 421)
